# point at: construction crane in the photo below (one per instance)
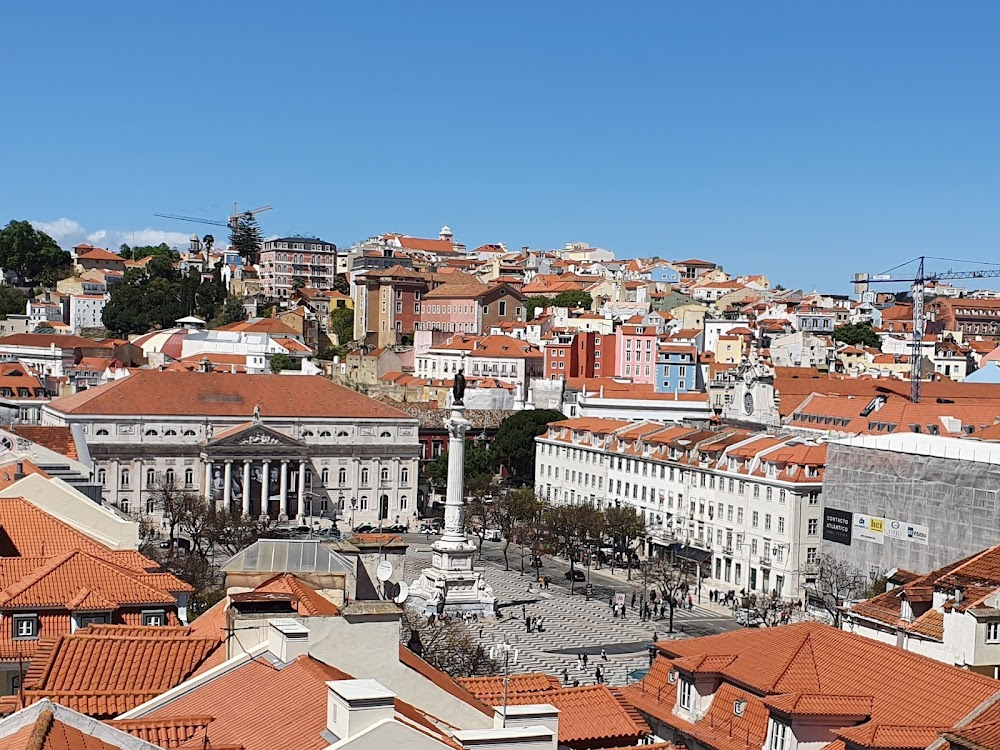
(231, 222)
(917, 284)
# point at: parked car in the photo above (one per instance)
(397, 528)
(576, 575)
(492, 535)
(179, 543)
(365, 528)
(428, 529)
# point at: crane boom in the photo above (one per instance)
(917, 285)
(193, 219)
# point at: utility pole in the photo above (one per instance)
(509, 655)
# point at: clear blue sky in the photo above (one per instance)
(802, 140)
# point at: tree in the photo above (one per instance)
(514, 444)
(232, 311)
(281, 362)
(12, 300)
(32, 254)
(341, 284)
(246, 238)
(573, 298)
(857, 334)
(447, 643)
(479, 468)
(342, 324)
(150, 297)
(298, 283)
(623, 524)
(510, 509)
(672, 583)
(755, 609)
(836, 583)
(570, 526)
(163, 250)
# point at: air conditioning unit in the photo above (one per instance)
(671, 677)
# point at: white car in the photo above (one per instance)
(492, 535)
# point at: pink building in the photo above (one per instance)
(636, 352)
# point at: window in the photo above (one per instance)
(404, 476)
(154, 617)
(812, 556)
(402, 502)
(102, 476)
(342, 477)
(188, 477)
(25, 627)
(779, 735)
(756, 490)
(781, 496)
(770, 494)
(385, 434)
(188, 433)
(126, 477)
(149, 433)
(502, 308)
(383, 475)
(325, 477)
(150, 477)
(170, 433)
(685, 691)
(739, 515)
(85, 620)
(812, 526)
(364, 502)
(781, 524)
(169, 476)
(754, 519)
(325, 433)
(102, 431)
(364, 476)
(767, 522)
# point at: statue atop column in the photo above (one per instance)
(458, 389)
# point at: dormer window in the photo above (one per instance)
(778, 734)
(685, 694)
(25, 627)
(993, 631)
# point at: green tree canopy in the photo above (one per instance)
(341, 284)
(623, 524)
(232, 312)
(857, 334)
(342, 324)
(514, 444)
(571, 298)
(480, 466)
(12, 300)
(139, 252)
(281, 362)
(32, 254)
(246, 238)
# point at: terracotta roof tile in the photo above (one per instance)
(169, 733)
(224, 394)
(49, 733)
(529, 682)
(310, 602)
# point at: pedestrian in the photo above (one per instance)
(539, 625)
(598, 676)
(480, 632)
(527, 624)
(690, 602)
(654, 636)
(585, 660)
(524, 612)
(604, 654)
(633, 600)
(565, 676)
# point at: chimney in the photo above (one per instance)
(539, 715)
(19, 471)
(354, 705)
(523, 738)
(287, 639)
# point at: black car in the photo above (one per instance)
(397, 528)
(576, 575)
(365, 528)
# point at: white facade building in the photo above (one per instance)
(86, 311)
(287, 447)
(746, 505)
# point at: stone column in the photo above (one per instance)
(227, 490)
(246, 488)
(302, 484)
(283, 488)
(265, 489)
(207, 487)
(454, 503)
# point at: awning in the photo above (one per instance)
(691, 553)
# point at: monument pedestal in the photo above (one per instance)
(452, 584)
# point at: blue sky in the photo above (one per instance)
(803, 140)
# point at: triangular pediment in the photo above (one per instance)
(252, 434)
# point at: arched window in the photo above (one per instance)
(364, 502)
(150, 506)
(342, 433)
(325, 477)
(188, 477)
(188, 433)
(151, 432)
(126, 477)
(101, 431)
(402, 502)
(386, 434)
(383, 475)
(404, 476)
(102, 476)
(170, 432)
(307, 433)
(169, 476)
(342, 477)
(150, 477)
(123, 504)
(364, 476)
(325, 433)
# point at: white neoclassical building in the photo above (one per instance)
(291, 447)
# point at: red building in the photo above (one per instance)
(580, 354)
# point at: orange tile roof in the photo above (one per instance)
(224, 394)
(271, 326)
(528, 682)
(589, 716)
(45, 340)
(54, 437)
(28, 531)
(48, 733)
(105, 670)
(310, 602)
(168, 733)
(907, 690)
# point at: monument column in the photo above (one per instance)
(207, 487)
(454, 501)
(265, 490)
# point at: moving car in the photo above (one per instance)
(576, 574)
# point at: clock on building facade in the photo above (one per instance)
(748, 403)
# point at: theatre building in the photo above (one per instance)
(282, 445)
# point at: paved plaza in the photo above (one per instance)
(573, 625)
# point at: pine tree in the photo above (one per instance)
(246, 238)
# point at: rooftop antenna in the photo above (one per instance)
(508, 653)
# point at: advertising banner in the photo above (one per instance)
(837, 526)
(911, 532)
(869, 528)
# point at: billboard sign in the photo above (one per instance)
(911, 532)
(869, 528)
(837, 525)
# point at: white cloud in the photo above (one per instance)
(152, 237)
(97, 236)
(60, 230)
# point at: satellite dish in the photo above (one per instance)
(404, 591)
(384, 571)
